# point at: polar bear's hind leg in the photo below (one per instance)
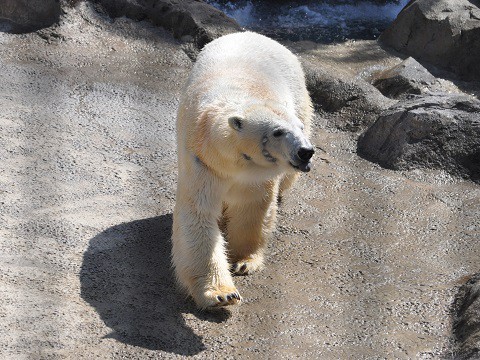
(249, 225)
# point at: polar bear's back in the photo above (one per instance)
(252, 56)
(246, 48)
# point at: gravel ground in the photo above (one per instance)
(365, 262)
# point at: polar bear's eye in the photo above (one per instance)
(235, 123)
(278, 133)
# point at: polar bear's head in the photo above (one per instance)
(270, 138)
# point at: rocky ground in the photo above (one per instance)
(366, 262)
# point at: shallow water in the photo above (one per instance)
(321, 22)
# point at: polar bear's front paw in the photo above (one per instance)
(220, 297)
(247, 266)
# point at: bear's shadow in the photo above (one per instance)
(127, 277)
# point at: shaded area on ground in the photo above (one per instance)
(127, 277)
(466, 326)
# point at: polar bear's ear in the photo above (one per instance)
(236, 123)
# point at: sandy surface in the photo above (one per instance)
(364, 264)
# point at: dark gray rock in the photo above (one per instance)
(189, 20)
(440, 131)
(408, 77)
(28, 15)
(466, 326)
(358, 102)
(445, 33)
(335, 2)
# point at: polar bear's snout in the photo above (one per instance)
(304, 154)
(301, 158)
(294, 146)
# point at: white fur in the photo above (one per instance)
(232, 177)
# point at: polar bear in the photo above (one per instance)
(243, 136)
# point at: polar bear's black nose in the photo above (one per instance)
(305, 154)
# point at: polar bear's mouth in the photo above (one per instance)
(268, 156)
(303, 166)
(265, 152)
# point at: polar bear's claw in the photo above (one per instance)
(215, 299)
(240, 268)
(247, 266)
(230, 299)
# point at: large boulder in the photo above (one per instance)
(28, 15)
(408, 77)
(466, 326)
(356, 102)
(188, 19)
(440, 131)
(445, 33)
